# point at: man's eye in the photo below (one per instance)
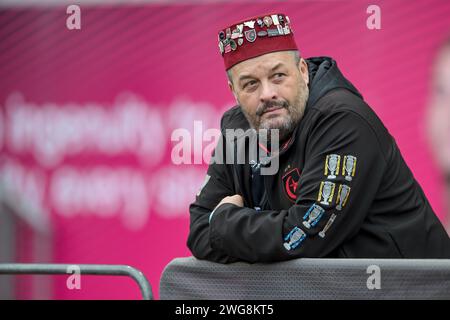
(278, 75)
(250, 84)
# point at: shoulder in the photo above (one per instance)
(344, 102)
(342, 112)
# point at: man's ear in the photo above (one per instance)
(230, 85)
(303, 67)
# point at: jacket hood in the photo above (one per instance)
(325, 76)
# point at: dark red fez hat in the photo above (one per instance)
(254, 37)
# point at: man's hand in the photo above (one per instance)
(236, 200)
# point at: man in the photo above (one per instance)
(341, 189)
(438, 123)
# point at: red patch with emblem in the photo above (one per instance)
(290, 183)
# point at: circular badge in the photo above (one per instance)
(267, 21)
(233, 45)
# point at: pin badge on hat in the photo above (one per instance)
(250, 24)
(221, 35)
(235, 34)
(259, 22)
(273, 32)
(275, 19)
(250, 35)
(287, 30)
(240, 41)
(233, 45)
(280, 30)
(262, 33)
(267, 21)
(228, 31)
(221, 47)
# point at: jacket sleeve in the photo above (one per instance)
(217, 185)
(329, 208)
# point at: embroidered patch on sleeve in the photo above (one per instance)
(349, 167)
(326, 192)
(342, 197)
(332, 166)
(313, 216)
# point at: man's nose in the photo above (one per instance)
(268, 92)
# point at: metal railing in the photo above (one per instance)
(85, 269)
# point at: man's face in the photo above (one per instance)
(439, 111)
(271, 90)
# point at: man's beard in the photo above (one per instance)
(288, 121)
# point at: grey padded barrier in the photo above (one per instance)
(189, 278)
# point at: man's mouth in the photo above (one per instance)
(271, 110)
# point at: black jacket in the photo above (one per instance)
(370, 206)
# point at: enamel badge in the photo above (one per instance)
(327, 226)
(275, 19)
(273, 32)
(267, 21)
(250, 24)
(262, 33)
(287, 30)
(250, 35)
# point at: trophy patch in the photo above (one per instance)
(313, 216)
(294, 238)
(332, 165)
(342, 196)
(349, 167)
(326, 192)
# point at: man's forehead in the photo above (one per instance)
(264, 63)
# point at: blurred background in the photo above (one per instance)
(86, 118)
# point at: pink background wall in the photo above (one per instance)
(86, 115)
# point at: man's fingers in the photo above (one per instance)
(235, 199)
